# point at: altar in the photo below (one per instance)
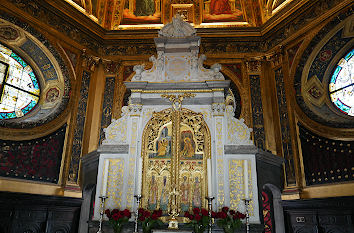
(178, 141)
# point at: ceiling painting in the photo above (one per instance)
(141, 12)
(222, 11)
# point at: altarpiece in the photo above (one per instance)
(177, 122)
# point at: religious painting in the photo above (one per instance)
(175, 147)
(163, 143)
(153, 195)
(196, 193)
(191, 185)
(187, 144)
(222, 11)
(141, 12)
(184, 191)
(165, 193)
(158, 185)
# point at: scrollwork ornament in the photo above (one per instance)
(237, 131)
(116, 132)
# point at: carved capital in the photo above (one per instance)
(254, 66)
(276, 59)
(111, 67)
(89, 61)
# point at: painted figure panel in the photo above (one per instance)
(188, 145)
(142, 12)
(222, 11)
(159, 193)
(190, 185)
(163, 144)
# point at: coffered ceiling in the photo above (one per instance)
(152, 14)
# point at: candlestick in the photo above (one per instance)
(103, 200)
(210, 188)
(105, 177)
(245, 175)
(247, 202)
(138, 197)
(140, 169)
(210, 209)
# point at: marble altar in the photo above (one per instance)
(177, 119)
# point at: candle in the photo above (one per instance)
(245, 175)
(140, 171)
(105, 177)
(210, 187)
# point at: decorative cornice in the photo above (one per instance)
(62, 17)
(276, 58)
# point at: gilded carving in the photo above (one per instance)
(115, 183)
(116, 132)
(254, 66)
(237, 131)
(236, 185)
(176, 144)
(220, 160)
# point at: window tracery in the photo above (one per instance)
(341, 85)
(19, 86)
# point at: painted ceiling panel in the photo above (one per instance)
(122, 14)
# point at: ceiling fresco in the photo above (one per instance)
(122, 14)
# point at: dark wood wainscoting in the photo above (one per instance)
(28, 213)
(330, 215)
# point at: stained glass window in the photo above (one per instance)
(341, 85)
(19, 87)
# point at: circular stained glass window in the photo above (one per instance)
(341, 85)
(19, 87)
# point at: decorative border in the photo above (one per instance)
(257, 112)
(285, 129)
(79, 130)
(108, 99)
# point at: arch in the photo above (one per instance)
(49, 68)
(312, 74)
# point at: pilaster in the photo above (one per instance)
(286, 129)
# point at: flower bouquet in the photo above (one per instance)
(118, 218)
(199, 219)
(229, 220)
(149, 219)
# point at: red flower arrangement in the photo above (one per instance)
(229, 220)
(149, 219)
(118, 218)
(199, 219)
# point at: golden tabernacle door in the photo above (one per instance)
(175, 149)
